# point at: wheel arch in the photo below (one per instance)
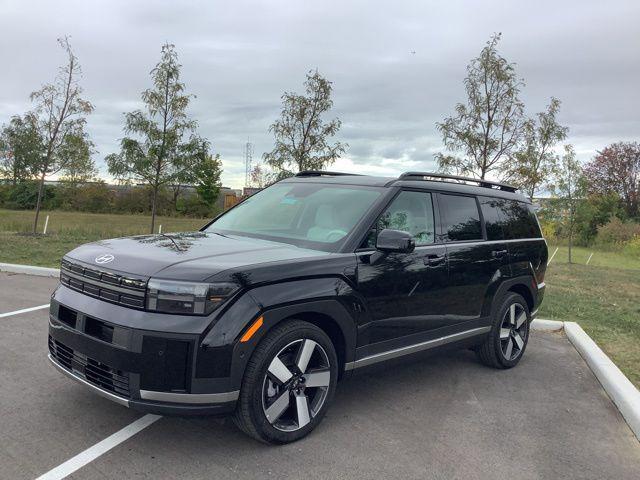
(525, 292)
(323, 302)
(522, 285)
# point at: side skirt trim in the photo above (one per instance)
(418, 347)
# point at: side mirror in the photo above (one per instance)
(395, 241)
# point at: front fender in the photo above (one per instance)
(327, 299)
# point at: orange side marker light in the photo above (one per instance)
(252, 329)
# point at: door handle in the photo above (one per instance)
(434, 259)
(498, 253)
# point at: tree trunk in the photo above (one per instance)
(153, 207)
(38, 203)
(570, 237)
(176, 194)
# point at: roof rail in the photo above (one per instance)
(322, 173)
(458, 179)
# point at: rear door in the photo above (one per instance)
(475, 264)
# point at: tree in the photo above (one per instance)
(21, 146)
(165, 142)
(486, 131)
(569, 188)
(616, 170)
(260, 176)
(59, 115)
(207, 174)
(533, 163)
(302, 139)
(82, 168)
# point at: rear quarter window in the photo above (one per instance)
(519, 220)
(492, 214)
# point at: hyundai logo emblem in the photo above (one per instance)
(104, 258)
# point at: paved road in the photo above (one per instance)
(446, 417)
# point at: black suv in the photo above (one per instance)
(263, 310)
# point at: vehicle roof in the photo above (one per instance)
(388, 182)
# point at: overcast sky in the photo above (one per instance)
(238, 57)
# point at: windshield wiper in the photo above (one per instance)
(172, 241)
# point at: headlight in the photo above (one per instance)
(185, 297)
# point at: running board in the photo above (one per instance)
(418, 347)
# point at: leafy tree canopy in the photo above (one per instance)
(162, 143)
(486, 130)
(302, 138)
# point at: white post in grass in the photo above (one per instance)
(46, 224)
(159, 228)
(554, 254)
(589, 259)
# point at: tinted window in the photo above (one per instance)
(410, 212)
(519, 220)
(492, 215)
(461, 218)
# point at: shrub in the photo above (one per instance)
(194, 206)
(24, 196)
(632, 247)
(617, 233)
(95, 197)
(549, 231)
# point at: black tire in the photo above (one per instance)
(251, 412)
(495, 351)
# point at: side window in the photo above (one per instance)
(410, 212)
(519, 221)
(491, 212)
(461, 217)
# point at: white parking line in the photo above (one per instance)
(554, 254)
(24, 310)
(100, 448)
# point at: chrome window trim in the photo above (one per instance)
(199, 398)
(463, 243)
(418, 347)
(489, 242)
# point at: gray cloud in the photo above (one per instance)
(239, 57)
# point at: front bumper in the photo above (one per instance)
(167, 373)
(205, 404)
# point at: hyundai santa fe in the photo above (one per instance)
(311, 280)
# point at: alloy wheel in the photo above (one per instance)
(513, 331)
(296, 384)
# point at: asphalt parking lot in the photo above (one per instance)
(446, 417)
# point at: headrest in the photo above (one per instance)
(324, 217)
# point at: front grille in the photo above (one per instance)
(107, 286)
(94, 372)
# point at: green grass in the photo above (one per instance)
(605, 302)
(67, 230)
(603, 297)
(600, 258)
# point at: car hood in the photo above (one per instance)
(195, 256)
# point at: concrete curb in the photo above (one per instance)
(29, 270)
(623, 393)
(547, 325)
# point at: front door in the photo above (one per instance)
(403, 291)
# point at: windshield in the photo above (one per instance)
(310, 215)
